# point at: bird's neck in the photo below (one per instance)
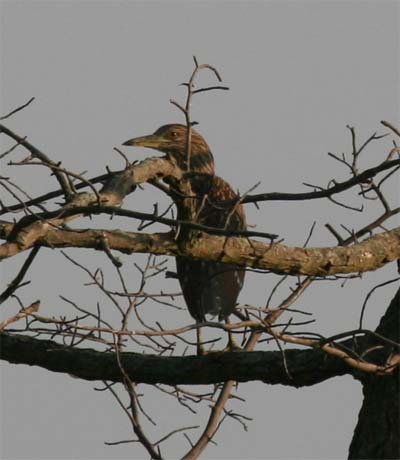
(200, 162)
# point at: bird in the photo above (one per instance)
(209, 288)
(171, 140)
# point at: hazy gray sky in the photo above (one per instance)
(103, 72)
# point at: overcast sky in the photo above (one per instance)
(103, 72)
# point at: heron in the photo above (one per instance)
(209, 288)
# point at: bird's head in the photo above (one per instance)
(171, 139)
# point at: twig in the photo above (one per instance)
(337, 188)
(17, 109)
(360, 325)
(106, 248)
(190, 92)
(34, 307)
(178, 430)
(13, 286)
(390, 126)
(38, 154)
(11, 149)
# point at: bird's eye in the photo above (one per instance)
(174, 134)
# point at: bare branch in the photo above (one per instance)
(390, 126)
(337, 188)
(13, 286)
(370, 254)
(17, 109)
(34, 307)
(38, 154)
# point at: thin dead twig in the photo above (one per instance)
(38, 154)
(34, 307)
(15, 283)
(17, 109)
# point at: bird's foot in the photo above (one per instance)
(232, 346)
(201, 351)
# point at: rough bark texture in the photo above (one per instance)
(307, 367)
(368, 255)
(41, 228)
(377, 433)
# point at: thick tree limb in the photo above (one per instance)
(29, 229)
(307, 367)
(377, 432)
(368, 255)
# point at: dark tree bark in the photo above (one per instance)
(307, 367)
(377, 432)
(376, 435)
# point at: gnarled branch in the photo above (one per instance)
(370, 254)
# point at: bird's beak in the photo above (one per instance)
(151, 141)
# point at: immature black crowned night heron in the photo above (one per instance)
(208, 287)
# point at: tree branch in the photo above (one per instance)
(167, 169)
(35, 152)
(325, 193)
(368, 255)
(307, 367)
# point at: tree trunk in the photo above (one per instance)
(377, 432)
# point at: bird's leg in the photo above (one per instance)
(232, 344)
(200, 349)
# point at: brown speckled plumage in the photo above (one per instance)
(208, 287)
